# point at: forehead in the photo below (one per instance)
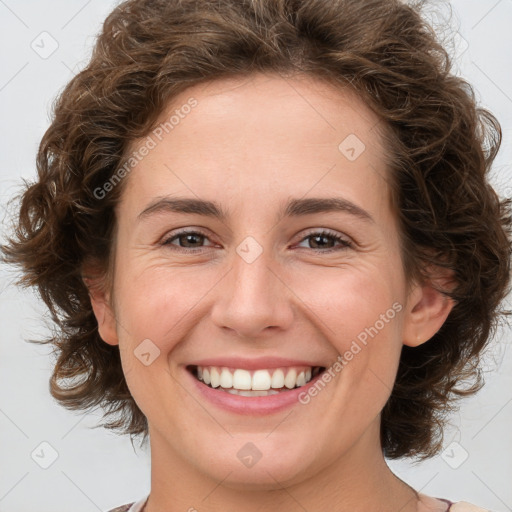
(273, 103)
(261, 133)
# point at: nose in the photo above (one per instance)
(253, 299)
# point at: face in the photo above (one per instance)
(256, 241)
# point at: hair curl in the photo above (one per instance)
(442, 147)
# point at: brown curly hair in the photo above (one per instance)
(442, 146)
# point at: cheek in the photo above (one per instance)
(359, 312)
(153, 313)
(157, 299)
(347, 300)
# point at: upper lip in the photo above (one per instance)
(254, 363)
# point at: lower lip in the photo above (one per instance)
(251, 405)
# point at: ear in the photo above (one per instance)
(100, 301)
(426, 310)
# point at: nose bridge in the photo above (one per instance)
(252, 297)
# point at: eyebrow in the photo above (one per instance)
(293, 208)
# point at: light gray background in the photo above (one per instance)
(96, 470)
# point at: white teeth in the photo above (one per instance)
(249, 393)
(278, 379)
(240, 381)
(214, 377)
(290, 379)
(261, 380)
(226, 379)
(253, 393)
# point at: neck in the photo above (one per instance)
(358, 481)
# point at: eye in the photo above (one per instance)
(191, 239)
(321, 241)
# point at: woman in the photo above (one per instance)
(351, 256)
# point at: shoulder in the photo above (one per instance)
(136, 506)
(464, 506)
(122, 508)
(437, 504)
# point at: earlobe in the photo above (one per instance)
(427, 310)
(105, 317)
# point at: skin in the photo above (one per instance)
(251, 144)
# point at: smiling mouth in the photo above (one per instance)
(264, 382)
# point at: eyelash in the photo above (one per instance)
(345, 244)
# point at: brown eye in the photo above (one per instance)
(186, 240)
(325, 240)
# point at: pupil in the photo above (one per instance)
(189, 238)
(320, 237)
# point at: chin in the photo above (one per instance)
(251, 464)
